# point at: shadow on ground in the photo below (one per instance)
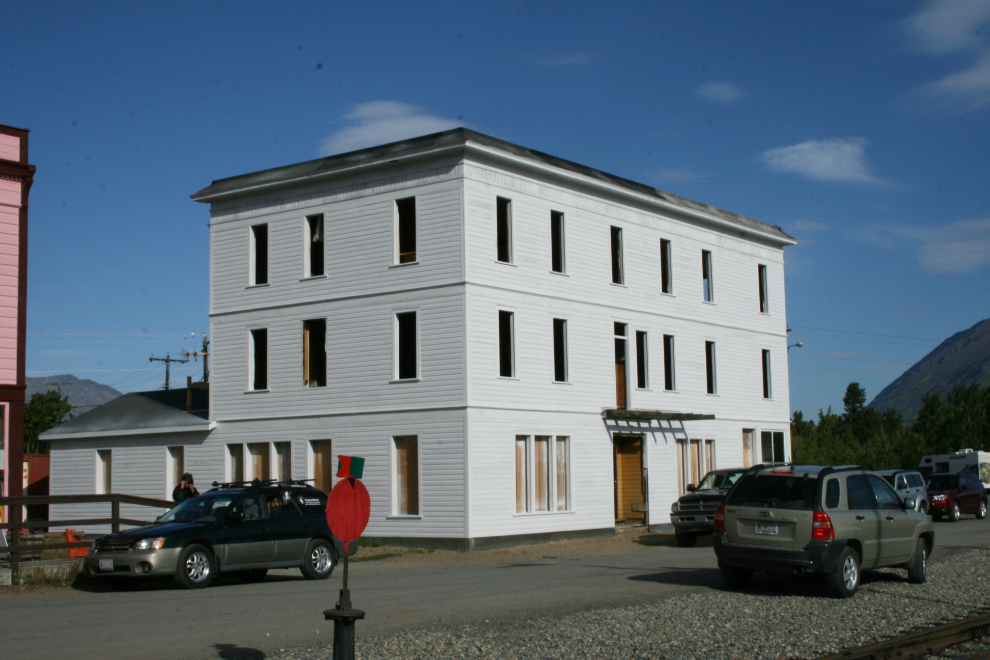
(234, 652)
(669, 541)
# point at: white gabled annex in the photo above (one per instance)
(520, 346)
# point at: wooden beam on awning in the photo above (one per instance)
(612, 413)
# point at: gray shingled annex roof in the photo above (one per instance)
(139, 412)
(300, 172)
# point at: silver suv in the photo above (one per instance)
(833, 521)
(908, 483)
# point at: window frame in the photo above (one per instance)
(503, 230)
(558, 243)
(308, 245)
(669, 364)
(666, 268)
(174, 469)
(617, 255)
(560, 357)
(767, 375)
(254, 251)
(553, 478)
(764, 291)
(510, 358)
(253, 360)
(711, 368)
(398, 349)
(774, 437)
(394, 511)
(707, 277)
(103, 472)
(398, 223)
(642, 360)
(308, 354)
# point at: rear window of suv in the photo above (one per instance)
(774, 491)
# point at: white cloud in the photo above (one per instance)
(679, 175)
(809, 226)
(838, 159)
(952, 249)
(559, 61)
(381, 122)
(725, 93)
(964, 90)
(947, 26)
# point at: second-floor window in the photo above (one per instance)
(259, 255)
(707, 289)
(406, 346)
(668, 363)
(767, 391)
(560, 350)
(314, 245)
(506, 344)
(405, 230)
(666, 274)
(761, 272)
(503, 229)
(617, 274)
(258, 377)
(556, 241)
(710, 367)
(642, 361)
(315, 353)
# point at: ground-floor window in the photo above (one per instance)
(405, 472)
(542, 473)
(772, 444)
(749, 447)
(104, 471)
(694, 459)
(322, 465)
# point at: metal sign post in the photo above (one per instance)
(348, 512)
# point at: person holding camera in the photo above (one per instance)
(185, 489)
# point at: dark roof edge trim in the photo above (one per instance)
(611, 413)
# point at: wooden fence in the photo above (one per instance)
(14, 505)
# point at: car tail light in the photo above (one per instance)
(720, 518)
(821, 527)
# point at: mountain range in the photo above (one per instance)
(84, 394)
(959, 360)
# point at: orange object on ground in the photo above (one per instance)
(74, 553)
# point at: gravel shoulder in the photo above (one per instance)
(778, 617)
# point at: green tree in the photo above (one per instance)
(855, 400)
(43, 412)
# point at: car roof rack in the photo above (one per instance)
(261, 483)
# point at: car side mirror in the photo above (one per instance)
(691, 488)
(235, 516)
(909, 502)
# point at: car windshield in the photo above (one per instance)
(205, 508)
(775, 492)
(942, 482)
(719, 480)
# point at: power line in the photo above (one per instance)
(868, 334)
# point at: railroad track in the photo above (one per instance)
(923, 642)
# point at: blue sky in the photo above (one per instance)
(860, 128)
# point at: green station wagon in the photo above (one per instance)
(833, 521)
(242, 528)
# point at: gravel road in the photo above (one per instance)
(778, 617)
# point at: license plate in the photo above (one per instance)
(766, 528)
(106, 564)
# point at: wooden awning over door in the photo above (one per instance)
(611, 413)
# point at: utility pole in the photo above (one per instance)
(168, 360)
(206, 357)
(59, 383)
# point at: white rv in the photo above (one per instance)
(964, 460)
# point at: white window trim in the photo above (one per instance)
(711, 277)
(567, 357)
(250, 361)
(673, 363)
(307, 259)
(766, 371)
(395, 346)
(252, 252)
(563, 243)
(395, 231)
(512, 343)
(670, 269)
(99, 472)
(509, 239)
(646, 359)
(764, 292)
(394, 478)
(714, 344)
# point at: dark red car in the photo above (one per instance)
(955, 494)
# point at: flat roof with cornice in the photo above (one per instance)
(463, 138)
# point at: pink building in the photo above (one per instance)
(16, 177)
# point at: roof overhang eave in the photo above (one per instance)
(162, 430)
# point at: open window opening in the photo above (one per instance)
(259, 254)
(557, 241)
(406, 475)
(764, 302)
(642, 361)
(504, 229)
(767, 391)
(405, 211)
(710, 367)
(560, 350)
(407, 366)
(666, 276)
(315, 255)
(258, 378)
(668, 363)
(708, 292)
(315, 353)
(617, 274)
(506, 344)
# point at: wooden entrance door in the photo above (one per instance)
(630, 496)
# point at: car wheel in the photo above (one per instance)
(843, 581)
(982, 513)
(196, 567)
(736, 578)
(686, 540)
(319, 560)
(254, 575)
(954, 512)
(918, 566)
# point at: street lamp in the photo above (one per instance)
(799, 345)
